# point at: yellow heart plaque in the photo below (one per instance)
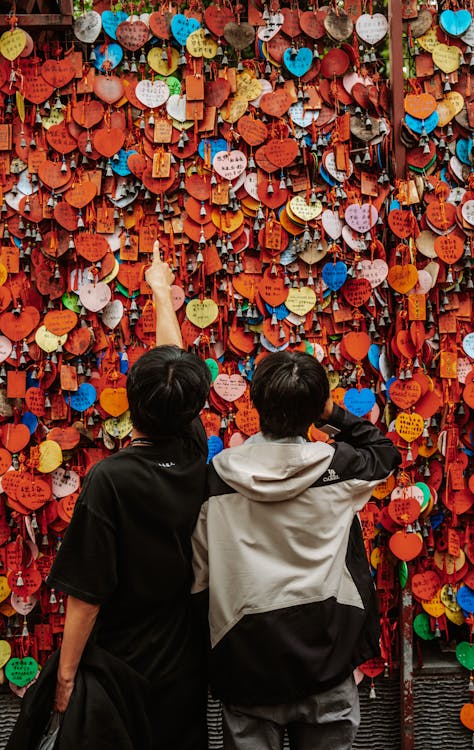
(48, 341)
(429, 40)
(248, 87)
(409, 426)
(5, 653)
(449, 107)
(119, 427)
(161, 66)
(305, 211)
(54, 118)
(50, 456)
(234, 109)
(200, 45)
(301, 301)
(202, 313)
(446, 58)
(12, 43)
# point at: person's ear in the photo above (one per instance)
(326, 413)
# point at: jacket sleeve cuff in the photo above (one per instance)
(338, 417)
(339, 420)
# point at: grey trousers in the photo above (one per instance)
(325, 721)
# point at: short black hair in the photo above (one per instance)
(289, 391)
(167, 387)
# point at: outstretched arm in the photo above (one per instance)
(160, 277)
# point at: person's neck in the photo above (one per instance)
(137, 434)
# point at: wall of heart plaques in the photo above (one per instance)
(253, 142)
(433, 219)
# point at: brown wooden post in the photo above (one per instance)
(397, 85)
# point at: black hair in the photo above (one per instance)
(289, 391)
(167, 388)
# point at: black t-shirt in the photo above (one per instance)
(128, 549)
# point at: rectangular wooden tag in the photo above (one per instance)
(416, 306)
(161, 164)
(16, 383)
(194, 88)
(68, 378)
(194, 110)
(148, 234)
(220, 194)
(273, 235)
(454, 548)
(448, 365)
(208, 120)
(5, 137)
(10, 257)
(163, 131)
(58, 407)
(369, 184)
(341, 151)
(86, 84)
(130, 252)
(105, 220)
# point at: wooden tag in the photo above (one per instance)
(194, 88)
(161, 164)
(16, 384)
(5, 137)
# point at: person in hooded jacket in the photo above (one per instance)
(292, 605)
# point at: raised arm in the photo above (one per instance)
(364, 452)
(160, 277)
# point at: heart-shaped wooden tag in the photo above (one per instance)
(361, 217)
(202, 313)
(15, 437)
(230, 387)
(88, 113)
(53, 174)
(17, 326)
(405, 393)
(81, 193)
(114, 401)
(108, 88)
(446, 57)
(301, 300)
(132, 35)
(58, 73)
(239, 35)
(409, 426)
(59, 138)
(108, 141)
(21, 671)
(12, 43)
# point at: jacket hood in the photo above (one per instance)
(269, 470)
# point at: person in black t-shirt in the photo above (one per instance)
(125, 561)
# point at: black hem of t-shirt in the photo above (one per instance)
(66, 588)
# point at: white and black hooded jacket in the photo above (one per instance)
(292, 606)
